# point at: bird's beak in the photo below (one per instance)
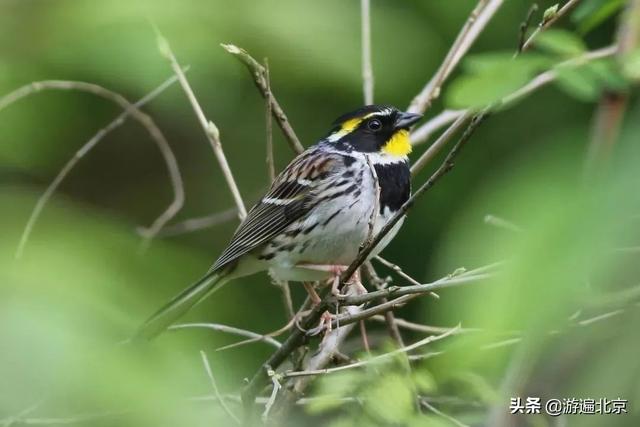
(405, 120)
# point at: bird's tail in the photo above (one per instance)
(179, 305)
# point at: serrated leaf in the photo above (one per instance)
(560, 42)
(390, 399)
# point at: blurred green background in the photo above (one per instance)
(82, 285)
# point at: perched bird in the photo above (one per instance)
(318, 211)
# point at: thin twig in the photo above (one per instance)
(401, 273)
(196, 224)
(210, 129)
(286, 299)
(229, 330)
(130, 109)
(524, 27)
(272, 398)
(271, 165)
(476, 22)
(418, 327)
(403, 291)
(365, 338)
(460, 117)
(367, 67)
(207, 368)
(298, 336)
(389, 317)
(435, 148)
(422, 134)
(568, 6)
(444, 168)
(375, 359)
(442, 414)
(258, 73)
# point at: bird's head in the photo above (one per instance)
(374, 129)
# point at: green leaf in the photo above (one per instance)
(550, 13)
(424, 381)
(332, 388)
(578, 83)
(390, 399)
(607, 73)
(499, 61)
(592, 13)
(631, 65)
(493, 76)
(560, 42)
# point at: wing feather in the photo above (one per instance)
(290, 197)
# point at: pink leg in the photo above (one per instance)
(335, 270)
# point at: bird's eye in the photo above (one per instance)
(374, 125)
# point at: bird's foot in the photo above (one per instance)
(336, 271)
(325, 324)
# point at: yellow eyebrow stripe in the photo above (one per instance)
(350, 125)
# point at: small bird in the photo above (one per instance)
(318, 211)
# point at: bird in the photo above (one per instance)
(318, 211)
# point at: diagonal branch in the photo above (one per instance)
(258, 73)
(210, 129)
(476, 22)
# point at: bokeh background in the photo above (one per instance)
(82, 284)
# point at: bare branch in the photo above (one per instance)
(229, 330)
(207, 368)
(196, 224)
(272, 398)
(568, 6)
(476, 22)
(401, 273)
(271, 166)
(367, 67)
(524, 27)
(442, 414)
(210, 129)
(130, 109)
(444, 168)
(389, 317)
(424, 132)
(460, 117)
(375, 359)
(258, 73)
